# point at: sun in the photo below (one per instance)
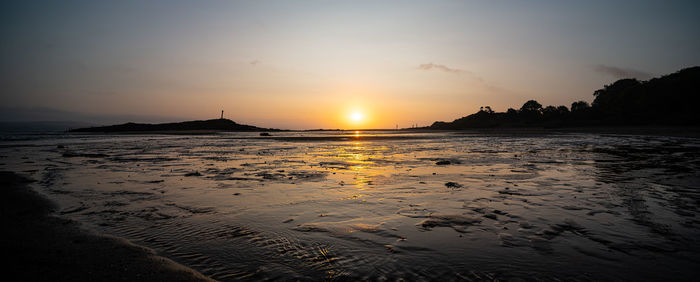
(357, 116)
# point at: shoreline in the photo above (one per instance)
(41, 246)
(680, 131)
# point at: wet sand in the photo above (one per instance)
(40, 247)
(356, 205)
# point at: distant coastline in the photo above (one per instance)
(186, 127)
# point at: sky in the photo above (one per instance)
(328, 64)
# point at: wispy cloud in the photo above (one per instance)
(430, 66)
(622, 72)
(472, 78)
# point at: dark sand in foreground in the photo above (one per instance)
(39, 246)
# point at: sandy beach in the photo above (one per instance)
(41, 247)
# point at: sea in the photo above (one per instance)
(383, 205)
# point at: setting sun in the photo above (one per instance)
(356, 116)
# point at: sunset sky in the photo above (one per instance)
(331, 64)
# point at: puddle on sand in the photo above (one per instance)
(415, 206)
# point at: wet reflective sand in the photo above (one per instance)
(382, 205)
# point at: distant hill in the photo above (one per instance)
(672, 99)
(187, 126)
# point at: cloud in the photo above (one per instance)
(430, 66)
(620, 73)
(473, 79)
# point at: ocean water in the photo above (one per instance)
(384, 205)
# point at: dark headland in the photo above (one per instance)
(670, 100)
(197, 126)
(38, 246)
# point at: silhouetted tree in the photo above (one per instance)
(549, 109)
(613, 96)
(488, 109)
(550, 112)
(579, 106)
(530, 112)
(563, 109)
(531, 106)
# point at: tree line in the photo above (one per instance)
(673, 99)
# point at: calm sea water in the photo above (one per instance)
(384, 205)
